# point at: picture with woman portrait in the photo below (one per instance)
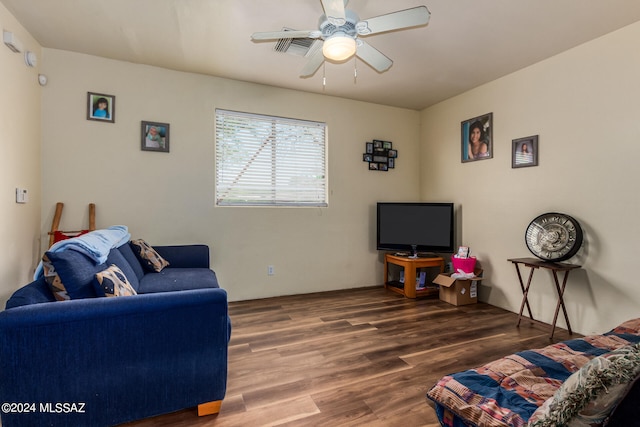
(524, 152)
(155, 136)
(477, 138)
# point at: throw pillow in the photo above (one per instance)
(113, 283)
(589, 395)
(76, 271)
(148, 256)
(53, 280)
(116, 257)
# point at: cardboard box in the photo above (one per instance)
(457, 291)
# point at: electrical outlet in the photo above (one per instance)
(270, 270)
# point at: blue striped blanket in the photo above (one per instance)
(506, 392)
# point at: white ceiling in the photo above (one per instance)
(466, 43)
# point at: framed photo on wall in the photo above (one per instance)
(154, 136)
(477, 138)
(524, 152)
(369, 147)
(101, 107)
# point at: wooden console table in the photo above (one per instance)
(410, 265)
(555, 267)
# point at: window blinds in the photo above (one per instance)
(269, 161)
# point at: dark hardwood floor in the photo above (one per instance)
(353, 357)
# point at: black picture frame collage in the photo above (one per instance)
(380, 155)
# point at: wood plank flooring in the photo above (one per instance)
(353, 357)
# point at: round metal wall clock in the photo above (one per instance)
(554, 236)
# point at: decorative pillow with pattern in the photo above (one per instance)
(588, 397)
(53, 280)
(148, 256)
(113, 283)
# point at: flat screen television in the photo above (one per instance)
(415, 227)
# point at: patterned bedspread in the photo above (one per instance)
(507, 392)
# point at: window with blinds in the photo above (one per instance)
(269, 161)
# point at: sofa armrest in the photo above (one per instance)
(122, 358)
(185, 256)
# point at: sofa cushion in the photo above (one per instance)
(178, 279)
(116, 258)
(148, 257)
(185, 256)
(112, 282)
(53, 280)
(77, 272)
(589, 396)
(131, 258)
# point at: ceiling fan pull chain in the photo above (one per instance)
(324, 76)
(355, 69)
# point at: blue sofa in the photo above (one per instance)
(96, 361)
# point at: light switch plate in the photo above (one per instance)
(21, 195)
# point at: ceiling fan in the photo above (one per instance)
(340, 31)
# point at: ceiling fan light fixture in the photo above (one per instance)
(339, 47)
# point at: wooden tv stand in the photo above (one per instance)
(410, 265)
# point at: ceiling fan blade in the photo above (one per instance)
(273, 35)
(334, 10)
(315, 61)
(394, 21)
(373, 57)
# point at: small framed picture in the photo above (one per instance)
(393, 153)
(373, 166)
(477, 138)
(101, 107)
(369, 147)
(383, 166)
(377, 143)
(367, 157)
(387, 145)
(392, 162)
(154, 137)
(524, 152)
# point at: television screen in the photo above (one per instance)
(422, 227)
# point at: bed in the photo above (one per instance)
(586, 381)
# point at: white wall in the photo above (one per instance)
(169, 198)
(19, 162)
(584, 106)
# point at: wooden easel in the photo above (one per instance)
(56, 223)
